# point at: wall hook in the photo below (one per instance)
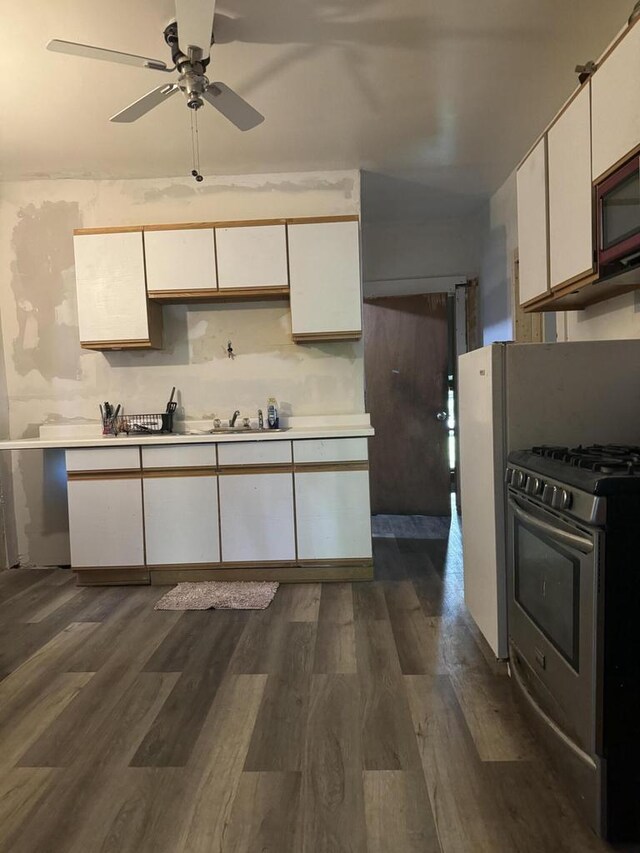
(230, 352)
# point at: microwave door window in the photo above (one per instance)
(547, 587)
(621, 211)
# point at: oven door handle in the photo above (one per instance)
(572, 540)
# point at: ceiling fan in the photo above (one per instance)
(190, 38)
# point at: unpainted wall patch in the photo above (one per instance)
(345, 186)
(42, 246)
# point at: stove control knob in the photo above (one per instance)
(508, 476)
(561, 499)
(534, 486)
(518, 479)
(547, 494)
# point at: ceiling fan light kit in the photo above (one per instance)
(190, 38)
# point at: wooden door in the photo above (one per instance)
(406, 366)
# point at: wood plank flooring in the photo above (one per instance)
(346, 718)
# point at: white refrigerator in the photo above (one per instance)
(512, 397)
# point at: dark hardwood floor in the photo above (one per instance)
(346, 717)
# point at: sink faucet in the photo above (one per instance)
(234, 418)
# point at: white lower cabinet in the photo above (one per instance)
(181, 520)
(256, 517)
(333, 515)
(105, 522)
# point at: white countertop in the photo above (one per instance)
(193, 432)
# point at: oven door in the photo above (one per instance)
(619, 214)
(553, 605)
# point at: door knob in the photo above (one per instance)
(442, 416)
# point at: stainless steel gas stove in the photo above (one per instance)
(574, 619)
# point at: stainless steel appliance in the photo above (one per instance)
(520, 395)
(574, 619)
(618, 223)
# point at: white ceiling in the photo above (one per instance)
(447, 94)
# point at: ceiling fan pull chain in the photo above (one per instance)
(195, 147)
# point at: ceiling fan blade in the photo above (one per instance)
(147, 102)
(232, 106)
(195, 26)
(90, 52)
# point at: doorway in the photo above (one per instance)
(409, 373)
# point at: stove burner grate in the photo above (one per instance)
(599, 458)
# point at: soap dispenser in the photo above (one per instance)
(273, 421)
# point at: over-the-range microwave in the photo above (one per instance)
(618, 219)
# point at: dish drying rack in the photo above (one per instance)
(114, 423)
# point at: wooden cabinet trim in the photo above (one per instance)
(305, 220)
(319, 467)
(106, 474)
(266, 468)
(236, 223)
(301, 337)
(100, 345)
(230, 294)
(192, 471)
(116, 229)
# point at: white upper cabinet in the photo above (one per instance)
(112, 293)
(324, 270)
(616, 104)
(180, 261)
(570, 195)
(533, 224)
(252, 256)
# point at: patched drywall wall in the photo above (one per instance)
(50, 379)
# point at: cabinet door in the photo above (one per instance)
(616, 104)
(533, 239)
(105, 522)
(333, 516)
(324, 270)
(256, 518)
(570, 194)
(111, 288)
(181, 520)
(253, 256)
(180, 261)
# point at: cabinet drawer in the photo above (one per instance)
(255, 453)
(170, 456)
(103, 459)
(330, 450)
